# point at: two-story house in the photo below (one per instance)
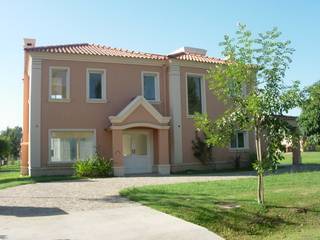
(133, 107)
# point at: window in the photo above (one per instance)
(195, 94)
(140, 144)
(135, 143)
(71, 145)
(239, 140)
(150, 86)
(59, 83)
(96, 85)
(244, 90)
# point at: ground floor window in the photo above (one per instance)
(239, 140)
(71, 145)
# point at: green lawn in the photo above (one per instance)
(306, 158)
(292, 208)
(10, 177)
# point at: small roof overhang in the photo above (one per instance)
(139, 113)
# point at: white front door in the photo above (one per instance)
(137, 151)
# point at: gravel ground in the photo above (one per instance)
(86, 194)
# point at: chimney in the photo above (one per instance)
(190, 50)
(29, 42)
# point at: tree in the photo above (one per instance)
(4, 148)
(309, 120)
(251, 84)
(13, 135)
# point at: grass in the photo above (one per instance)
(306, 158)
(292, 209)
(10, 177)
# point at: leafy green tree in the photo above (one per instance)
(309, 120)
(252, 87)
(13, 135)
(4, 148)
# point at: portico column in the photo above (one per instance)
(117, 156)
(175, 112)
(163, 153)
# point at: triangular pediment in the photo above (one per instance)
(139, 110)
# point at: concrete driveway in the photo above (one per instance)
(93, 209)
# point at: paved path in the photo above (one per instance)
(70, 210)
(89, 194)
(126, 223)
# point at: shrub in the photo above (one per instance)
(252, 160)
(201, 150)
(94, 166)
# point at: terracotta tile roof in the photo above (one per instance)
(101, 50)
(94, 49)
(197, 58)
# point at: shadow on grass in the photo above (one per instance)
(204, 209)
(225, 172)
(8, 170)
(293, 208)
(307, 167)
(30, 211)
(282, 168)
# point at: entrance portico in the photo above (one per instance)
(140, 140)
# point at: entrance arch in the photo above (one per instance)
(140, 127)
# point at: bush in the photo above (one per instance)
(252, 160)
(201, 150)
(94, 166)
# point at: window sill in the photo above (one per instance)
(239, 149)
(59, 100)
(192, 116)
(96, 101)
(154, 102)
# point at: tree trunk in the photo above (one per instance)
(260, 191)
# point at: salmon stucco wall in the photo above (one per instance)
(123, 84)
(25, 126)
(214, 108)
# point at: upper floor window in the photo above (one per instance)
(96, 85)
(59, 81)
(195, 94)
(150, 86)
(239, 140)
(244, 90)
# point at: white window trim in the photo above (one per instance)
(67, 130)
(67, 99)
(203, 93)
(246, 142)
(103, 85)
(157, 86)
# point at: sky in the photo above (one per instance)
(149, 26)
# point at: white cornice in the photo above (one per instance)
(102, 59)
(119, 60)
(192, 64)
